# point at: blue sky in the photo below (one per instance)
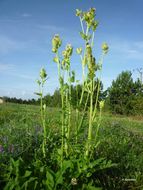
(27, 27)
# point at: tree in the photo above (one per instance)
(122, 92)
(137, 101)
(56, 98)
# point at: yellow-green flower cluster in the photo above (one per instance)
(105, 48)
(79, 51)
(43, 73)
(67, 54)
(91, 62)
(56, 43)
(101, 104)
(88, 17)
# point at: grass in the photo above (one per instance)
(120, 141)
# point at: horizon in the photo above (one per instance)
(28, 27)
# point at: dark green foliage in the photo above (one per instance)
(21, 101)
(76, 94)
(124, 147)
(125, 95)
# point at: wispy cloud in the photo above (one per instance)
(17, 92)
(128, 49)
(26, 15)
(6, 67)
(139, 44)
(9, 20)
(7, 44)
(51, 28)
(10, 70)
(23, 76)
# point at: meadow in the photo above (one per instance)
(21, 137)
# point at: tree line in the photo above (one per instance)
(124, 96)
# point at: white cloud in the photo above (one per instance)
(24, 76)
(51, 28)
(10, 69)
(139, 44)
(7, 44)
(9, 20)
(26, 15)
(128, 49)
(17, 92)
(6, 67)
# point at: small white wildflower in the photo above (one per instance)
(74, 181)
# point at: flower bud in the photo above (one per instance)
(56, 43)
(79, 51)
(69, 50)
(78, 12)
(84, 61)
(43, 73)
(105, 48)
(88, 49)
(94, 25)
(44, 106)
(74, 181)
(101, 104)
(55, 59)
(38, 82)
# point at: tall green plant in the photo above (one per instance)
(89, 70)
(89, 25)
(41, 83)
(66, 77)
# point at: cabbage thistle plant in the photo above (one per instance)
(41, 83)
(89, 67)
(70, 152)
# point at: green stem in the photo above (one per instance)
(99, 123)
(84, 111)
(90, 120)
(90, 114)
(77, 113)
(69, 107)
(62, 117)
(43, 122)
(62, 143)
(66, 123)
(81, 24)
(83, 70)
(98, 90)
(92, 41)
(79, 124)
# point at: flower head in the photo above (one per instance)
(74, 181)
(105, 48)
(78, 12)
(101, 104)
(88, 50)
(79, 51)
(43, 73)
(56, 43)
(69, 50)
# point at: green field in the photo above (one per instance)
(120, 141)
